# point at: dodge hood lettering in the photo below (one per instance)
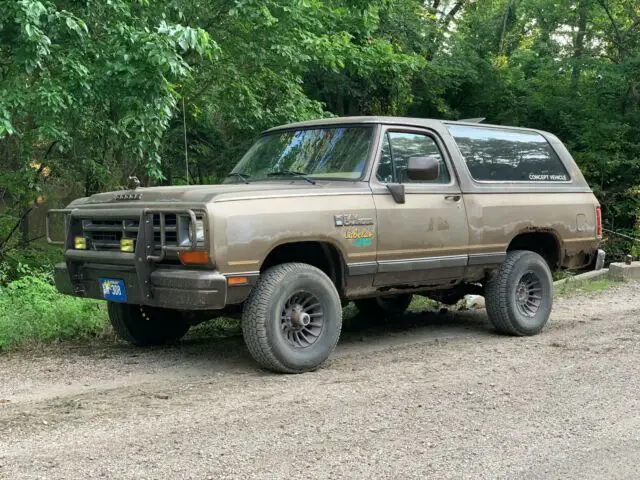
(128, 196)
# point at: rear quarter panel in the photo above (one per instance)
(495, 219)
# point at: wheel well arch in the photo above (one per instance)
(321, 254)
(544, 242)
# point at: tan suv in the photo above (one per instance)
(369, 209)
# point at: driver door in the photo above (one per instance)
(426, 239)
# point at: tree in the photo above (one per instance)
(85, 91)
(90, 88)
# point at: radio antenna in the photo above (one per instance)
(186, 151)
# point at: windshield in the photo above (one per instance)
(332, 153)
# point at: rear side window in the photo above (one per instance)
(507, 155)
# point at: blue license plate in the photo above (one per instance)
(113, 290)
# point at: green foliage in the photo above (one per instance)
(35, 262)
(420, 304)
(32, 311)
(573, 287)
(92, 92)
(282, 61)
(85, 86)
(635, 249)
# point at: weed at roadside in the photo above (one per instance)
(32, 311)
(585, 286)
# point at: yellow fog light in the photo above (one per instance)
(80, 243)
(126, 245)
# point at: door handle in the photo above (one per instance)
(453, 198)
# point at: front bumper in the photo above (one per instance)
(147, 280)
(168, 287)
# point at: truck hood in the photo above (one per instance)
(212, 193)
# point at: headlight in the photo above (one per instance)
(199, 231)
(185, 232)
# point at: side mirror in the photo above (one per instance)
(397, 191)
(423, 168)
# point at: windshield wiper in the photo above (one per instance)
(245, 178)
(292, 173)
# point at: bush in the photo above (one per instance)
(32, 311)
(635, 250)
(32, 261)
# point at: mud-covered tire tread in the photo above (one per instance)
(256, 313)
(167, 330)
(497, 296)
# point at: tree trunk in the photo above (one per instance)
(578, 48)
(24, 232)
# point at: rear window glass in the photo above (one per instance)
(502, 155)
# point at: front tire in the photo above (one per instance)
(146, 326)
(520, 296)
(292, 319)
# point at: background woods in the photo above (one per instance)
(92, 91)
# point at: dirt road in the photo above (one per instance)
(429, 397)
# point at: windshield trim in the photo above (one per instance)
(374, 127)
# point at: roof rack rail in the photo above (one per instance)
(473, 120)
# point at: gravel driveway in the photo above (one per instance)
(432, 396)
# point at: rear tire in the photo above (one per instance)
(384, 306)
(520, 296)
(292, 319)
(146, 326)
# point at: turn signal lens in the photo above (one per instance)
(236, 281)
(598, 222)
(80, 243)
(126, 245)
(194, 258)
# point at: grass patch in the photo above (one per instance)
(562, 274)
(598, 285)
(584, 286)
(32, 311)
(420, 304)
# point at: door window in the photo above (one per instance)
(398, 147)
